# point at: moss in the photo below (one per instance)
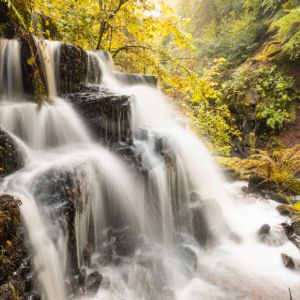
(278, 168)
(13, 253)
(270, 51)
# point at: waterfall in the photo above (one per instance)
(159, 228)
(49, 53)
(51, 125)
(11, 84)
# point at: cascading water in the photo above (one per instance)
(11, 84)
(162, 231)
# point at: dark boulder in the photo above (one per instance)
(292, 231)
(34, 295)
(264, 229)
(34, 80)
(11, 155)
(58, 191)
(257, 184)
(288, 261)
(107, 114)
(272, 236)
(124, 241)
(93, 282)
(200, 225)
(206, 219)
(14, 262)
(73, 68)
(275, 196)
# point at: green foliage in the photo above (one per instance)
(147, 36)
(201, 100)
(267, 89)
(288, 32)
(279, 167)
(233, 39)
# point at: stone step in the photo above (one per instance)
(107, 114)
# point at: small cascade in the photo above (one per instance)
(155, 221)
(94, 73)
(11, 84)
(50, 125)
(46, 259)
(50, 54)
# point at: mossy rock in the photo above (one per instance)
(14, 262)
(11, 156)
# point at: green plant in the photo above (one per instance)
(288, 32)
(279, 167)
(265, 91)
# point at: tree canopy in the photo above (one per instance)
(209, 55)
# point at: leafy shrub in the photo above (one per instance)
(280, 167)
(272, 94)
(234, 38)
(288, 32)
(210, 117)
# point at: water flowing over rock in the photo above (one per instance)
(11, 155)
(146, 214)
(11, 84)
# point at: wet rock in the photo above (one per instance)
(241, 148)
(14, 262)
(190, 256)
(107, 114)
(127, 153)
(81, 277)
(286, 210)
(34, 295)
(288, 229)
(73, 68)
(77, 282)
(11, 155)
(257, 183)
(68, 286)
(273, 236)
(275, 197)
(105, 283)
(87, 252)
(200, 226)
(264, 229)
(292, 231)
(58, 190)
(295, 235)
(27, 69)
(206, 218)
(106, 254)
(142, 134)
(235, 237)
(288, 261)
(124, 242)
(93, 282)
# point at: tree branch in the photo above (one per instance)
(167, 56)
(104, 25)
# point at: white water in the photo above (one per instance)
(169, 263)
(11, 84)
(229, 270)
